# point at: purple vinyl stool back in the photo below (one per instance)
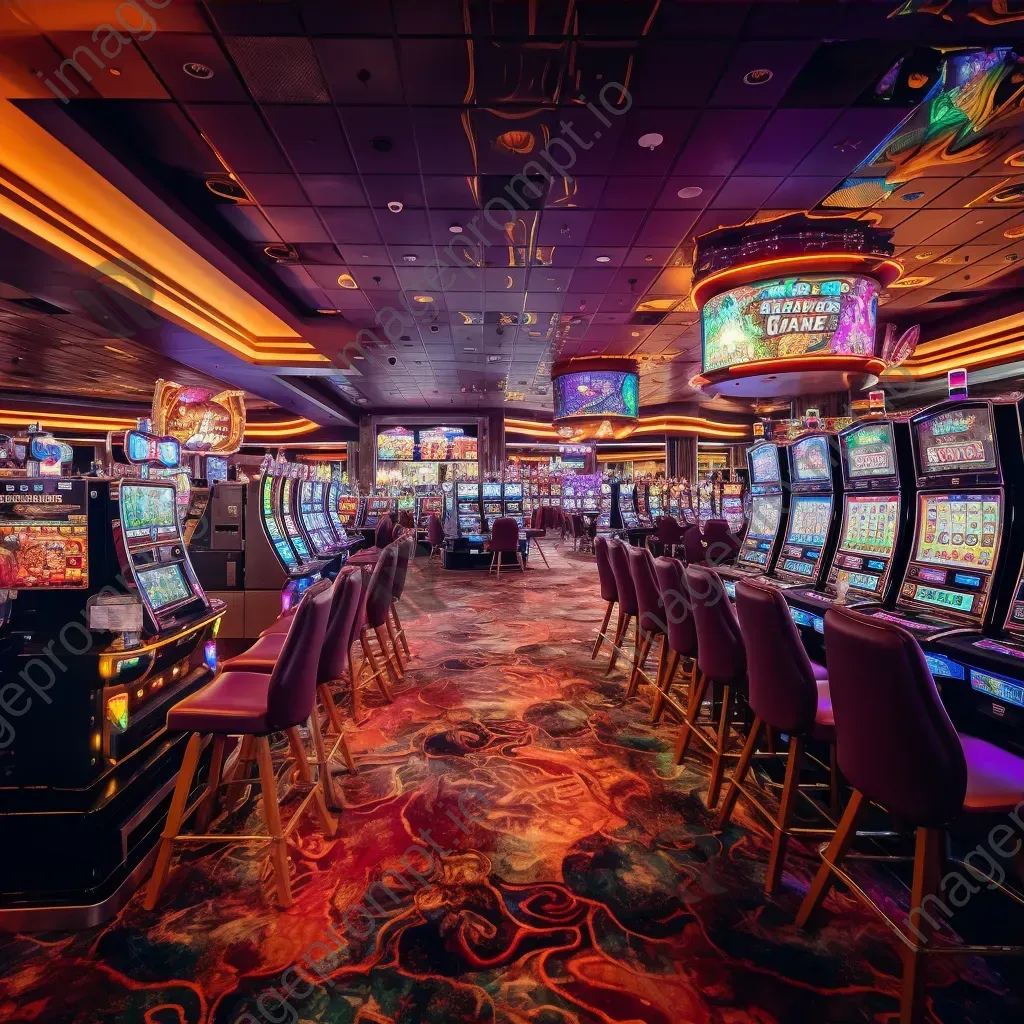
(379, 587)
(651, 621)
(722, 544)
(505, 535)
(335, 657)
(693, 546)
(435, 535)
(406, 548)
(670, 533)
(382, 536)
(782, 687)
(604, 570)
(619, 558)
(294, 679)
(397, 533)
(722, 661)
(896, 744)
(675, 601)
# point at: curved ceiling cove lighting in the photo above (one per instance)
(595, 398)
(674, 426)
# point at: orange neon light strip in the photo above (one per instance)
(684, 425)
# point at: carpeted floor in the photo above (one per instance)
(517, 847)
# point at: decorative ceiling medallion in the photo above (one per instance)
(516, 141)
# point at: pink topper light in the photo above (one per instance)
(957, 383)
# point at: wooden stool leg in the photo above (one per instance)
(602, 630)
(697, 691)
(240, 772)
(395, 646)
(646, 641)
(324, 784)
(299, 754)
(356, 676)
(378, 674)
(174, 817)
(620, 631)
(382, 640)
(928, 861)
(540, 549)
(658, 703)
(837, 850)
(272, 814)
(742, 767)
(401, 630)
(718, 761)
(334, 721)
(210, 801)
(787, 806)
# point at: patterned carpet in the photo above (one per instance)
(517, 847)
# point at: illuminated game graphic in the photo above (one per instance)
(348, 510)
(596, 393)
(957, 440)
(869, 451)
(277, 538)
(811, 462)
(446, 444)
(765, 514)
(396, 445)
(764, 463)
(998, 687)
(870, 525)
(808, 523)
(47, 554)
(290, 526)
(148, 511)
(202, 420)
(792, 316)
(164, 585)
(216, 470)
(958, 530)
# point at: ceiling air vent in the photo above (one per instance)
(38, 306)
(281, 252)
(228, 188)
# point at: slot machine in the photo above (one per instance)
(569, 500)
(406, 503)
(429, 505)
(627, 509)
(350, 509)
(556, 491)
(705, 500)
(643, 510)
(591, 502)
(656, 503)
(875, 531)
(813, 524)
(513, 500)
(686, 504)
(604, 519)
(313, 522)
(467, 506)
(732, 506)
(110, 628)
(378, 507)
(490, 491)
(769, 487)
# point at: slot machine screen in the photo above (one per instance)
(959, 440)
(869, 526)
(291, 528)
(869, 452)
(492, 492)
(406, 503)
(148, 511)
(216, 469)
(348, 510)
(46, 533)
(808, 521)
(765, 515)
(764, 464)
(958, 531)
(163, 586)
(810, 458)
(277, 538)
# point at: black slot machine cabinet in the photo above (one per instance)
(512, 500)
(642, 506)
(110, 628)
(218, 544)
(350, 509)
(628, 519)
(812, 528)
(428, 505)
(686, 506)
(378, 507)
(338, 519)
(732, 506)
(769, 508)
(876, 529)
(316, 528)
(604, 516)
(467, 508)
(961, 593)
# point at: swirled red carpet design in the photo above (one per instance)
(517, 847)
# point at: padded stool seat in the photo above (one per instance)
(278, 626)
(234, 702)
(261, 657)
(995, 777)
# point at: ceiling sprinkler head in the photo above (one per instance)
(395, 206)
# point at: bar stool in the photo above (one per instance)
(650, 621)
(669, 535)
(253, 705)
(628, 608)
(788, 693)
(406, 550)
(382, 535)
(504, 540)
(722, 661)
(608, 591)
(682, 635)
(721, 543)
(693, 546)
(435, 536)
(373, 618)
(898, 749)
(535, 532)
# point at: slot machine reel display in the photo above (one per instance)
(490, 491)
(512, 493)
(604, 521)
(732, 506)
(627, 516)
(428, 505)
(106, 585)
(467, 501)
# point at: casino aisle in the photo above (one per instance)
(581, 878)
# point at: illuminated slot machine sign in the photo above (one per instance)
(513, 497)
(655, 501)
(870, 521)
(626, 508)
(810, 514)
(592, 494)
(491, 494)
(732, 506)
(348, 510)
(765, 505)
(407, 503)
(291, 527)
(331, 508)
(377, 508)
(44, 532)
(314, 517)
(467, 501)
(604, 521)
(430, 505)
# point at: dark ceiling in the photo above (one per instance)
(325, 112)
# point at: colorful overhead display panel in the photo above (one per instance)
(801, 315)
(596, 393)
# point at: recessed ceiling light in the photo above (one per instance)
(423, 298)
(359, 357)
(194, 69)
(924, 255)
(396, 206)
(690, 192)
(346, 281)
(603, 259)
(469, 348)
(409, 257)
(328, 312)
(759, 76)
(652, 140)
(635, 334)
(116, 72)
(455, 229)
